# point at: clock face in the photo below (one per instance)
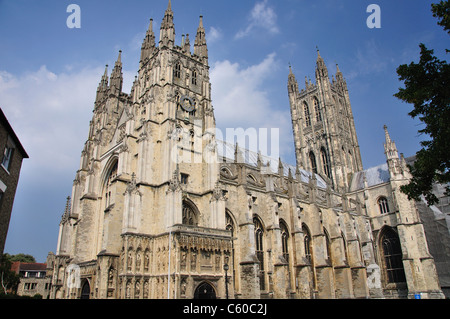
(186, 103)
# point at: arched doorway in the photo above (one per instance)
(85, 290)
(205, 291)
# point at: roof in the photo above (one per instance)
(5, 123)
(18, 266)
(227, 150)
(374, 176)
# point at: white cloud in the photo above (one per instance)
(213, 35)
(50, 113)
(261, 17)
(241, 100)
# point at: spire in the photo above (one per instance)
(117, 75)
(339, 77)
(200, 48)
(389, 147)
(149, 43)
(387, 136)
(187, 44)
(395, 164)
(104, 82)
(292, 82)
(321, 69)
(103, 85)
(280, 167)
(67, 212)
(167, 31)
(119, 59)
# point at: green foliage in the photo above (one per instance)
(442, 12)
(427, 87)
(9, 280)
(22, 257)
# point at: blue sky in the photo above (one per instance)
(49, 74)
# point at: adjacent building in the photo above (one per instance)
(33, 279)
(11, 162)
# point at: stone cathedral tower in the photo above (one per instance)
(324, 129)
(161, 209)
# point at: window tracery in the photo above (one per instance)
(383, 205)
(189, 215)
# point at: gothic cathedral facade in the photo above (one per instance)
(161, 209)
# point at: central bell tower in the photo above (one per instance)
(323, 126)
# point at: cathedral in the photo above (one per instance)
(161, 209)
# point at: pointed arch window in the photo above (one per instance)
(317, 110)
(229, 224)
(327, 246)
(325, 163)
(307, 114)
(108, 191)
(344, 242)
(392, 253)
(307, 243)
(189, 215)
(383, 205)
(312, 159)
(285, 241)
(259, 242)
(194, 77)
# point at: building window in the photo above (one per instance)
(189, 216)
(317, 110)
(344, 242)
(307, 243)
(383, 205)
(285, 241)
(307, 114)
(327, 246)
(312, 159)
(392, 253)
(177, 71)
(194, 77)
(259, 238)
(108, 185)
(229, 223)
(326, 163)
(7, 156)
(184, 179)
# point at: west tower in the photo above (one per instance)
(146, 203)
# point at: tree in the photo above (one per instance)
(427, 87)
(22, 257)
(442, 12)
(9, 280)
